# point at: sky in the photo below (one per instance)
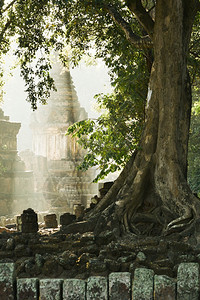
(88, 81)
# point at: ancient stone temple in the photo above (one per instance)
(16, 185)
(63, 185)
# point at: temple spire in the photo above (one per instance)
(64, 186)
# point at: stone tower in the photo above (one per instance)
(16, 185)
(64, 186)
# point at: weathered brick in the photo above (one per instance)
(27, 288)
(120, 286)
(74, 289)
(50, 289)
(143, 284)
(188, 281)
(97, 288)
(164, 288)
(7, 277)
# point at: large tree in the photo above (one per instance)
(155, 189)
(151, 194)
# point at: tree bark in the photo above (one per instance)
(156, 189)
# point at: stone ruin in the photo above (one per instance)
(58, 183)
(16, 184)
(31, 221)
(95, 266)
(46, 179)
(81, 265)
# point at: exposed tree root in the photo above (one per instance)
(125, 223)
(140, 218)
(140, 211)
(152, 223)
(180, 222)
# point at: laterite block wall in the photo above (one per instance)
(145, 285)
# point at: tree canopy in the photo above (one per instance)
(120, 40)
(37, 27)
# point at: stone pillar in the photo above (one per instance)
(50, 221)
(79, 211)
(120, 286)
(66, 219)
(188, 281)
(27, 288)
(143, 284)
(97, 288)
(74, 289)
(16, 185)
(8, 155)
(7, 277)
(50, 289)
(164, 288)
(29, 221)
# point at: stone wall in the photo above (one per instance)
(144, 285)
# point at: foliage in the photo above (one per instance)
(37, 27)
(194, 145)
(30, 26)
(194, 53)
(112, 138)
(101, 143)
(194, 140)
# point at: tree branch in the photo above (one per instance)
(198, 6)
(4, 29)
(8, 6)
(134, 39)
(142, 15)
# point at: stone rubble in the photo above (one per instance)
(51, 253)
(72, 251)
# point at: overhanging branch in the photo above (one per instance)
(142, 15)
(5, 29)
(198, 5)
(134, 39)
(8, 6)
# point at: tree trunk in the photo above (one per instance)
(155, 196)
